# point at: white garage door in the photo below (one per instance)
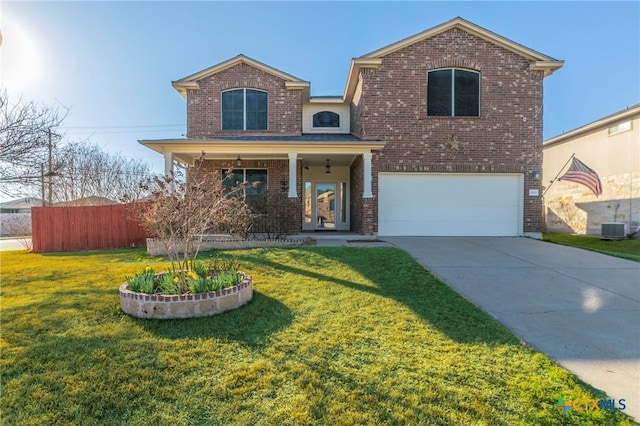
(449, 204)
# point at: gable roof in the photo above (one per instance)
(470, 28)
(632, 112)
(92, 200)
(191, 81)
(22, 203)
(538, 61)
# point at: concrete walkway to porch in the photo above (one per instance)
(346, 239)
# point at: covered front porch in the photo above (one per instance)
(327, 180)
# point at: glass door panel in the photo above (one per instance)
(308, 211)
(343, 202)
(325, 206)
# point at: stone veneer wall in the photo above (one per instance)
(161, 306)
(573, 208)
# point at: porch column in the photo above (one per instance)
(168, 163)
(366, 175)
(293, 171)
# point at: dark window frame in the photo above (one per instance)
(445, 99)
(325, 119)
(244, 171)
(261, 115)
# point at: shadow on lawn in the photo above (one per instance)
(251, 324)
(409, 284)
(124, 255)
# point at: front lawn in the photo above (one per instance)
(626, 249)
(334, 335)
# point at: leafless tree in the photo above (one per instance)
(180, 212)
(26, 130)
(86, 170)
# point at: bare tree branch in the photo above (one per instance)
(27, 132)
(86, 170)
(179, 213)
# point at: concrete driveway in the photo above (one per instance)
(579, 307)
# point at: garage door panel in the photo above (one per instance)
(449, 204)
(441, 228)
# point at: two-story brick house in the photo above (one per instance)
(437, 134)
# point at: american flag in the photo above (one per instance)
(579, 173)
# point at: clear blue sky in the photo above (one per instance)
(112, 63)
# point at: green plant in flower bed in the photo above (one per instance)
(200, 277)
(168, 284)
(144, 282)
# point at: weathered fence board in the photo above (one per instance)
(86, 228)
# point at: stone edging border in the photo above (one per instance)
(162, 306)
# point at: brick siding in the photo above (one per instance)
(505, 138)
(277, 183)
(364, 211)
(204, 104)
(390, 103)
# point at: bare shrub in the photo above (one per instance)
(180, 212)
(272, 215)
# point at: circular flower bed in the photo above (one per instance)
(190, 305)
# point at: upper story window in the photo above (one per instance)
(453, 93)
(326, 119)
(244, 109)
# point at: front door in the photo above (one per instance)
(325, 205)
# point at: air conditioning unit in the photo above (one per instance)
(613, 231)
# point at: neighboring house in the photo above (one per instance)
(21, 205)
(15, 215)
(610, 147)
(86, 201)
(437, 134)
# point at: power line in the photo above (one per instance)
(93, 132)
(103, 130)
(122, 127)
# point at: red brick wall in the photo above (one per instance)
(277, 182)
(356, 207)
(364, 211)
(506, 138)
(204, 105)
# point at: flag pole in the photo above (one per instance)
(556, 178)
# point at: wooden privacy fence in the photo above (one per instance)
(86, 228)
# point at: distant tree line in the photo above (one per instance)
(34, 158)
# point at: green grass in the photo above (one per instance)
(334, 335)
(626, 249)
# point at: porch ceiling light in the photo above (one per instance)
(327, 168)
(238, 162)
